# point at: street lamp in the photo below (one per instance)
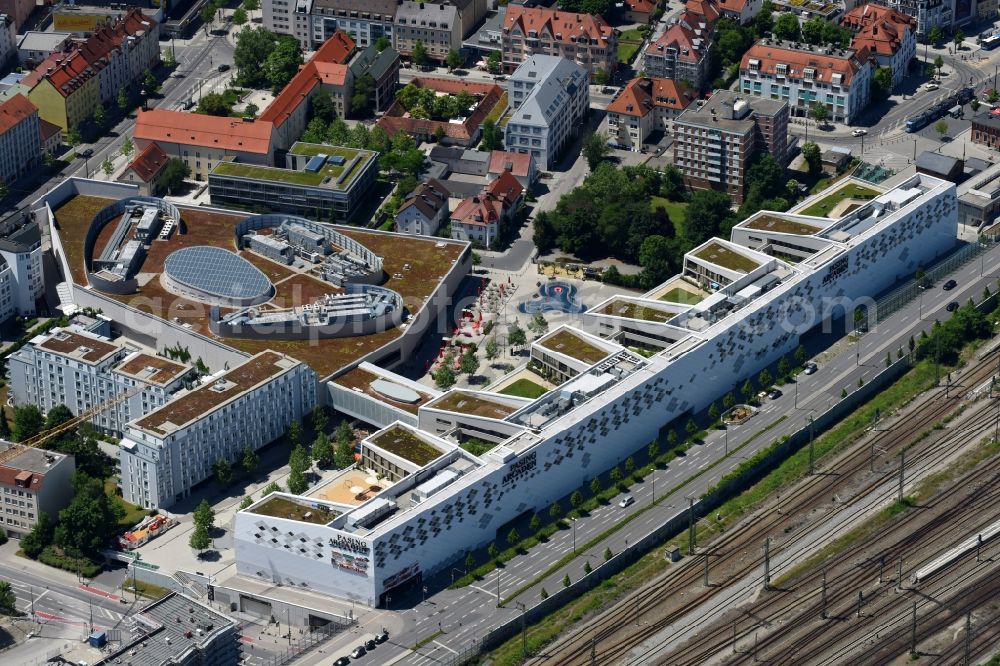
(573, 522)
(453, 570)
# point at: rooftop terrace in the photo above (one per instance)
(472, 404)
(830, 205)
(278, 506)
(208, 397)
(782, 225)
(407, 445)
(721, 255)
(361, 380)
(619, 307)
(572, 345)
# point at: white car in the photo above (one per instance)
(859, 132)
(931, 86)
(628, 500)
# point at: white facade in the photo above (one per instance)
(166, 452)
(550, 97)
(20, 141)
(22, 252)
(551, 446)
(313, 22)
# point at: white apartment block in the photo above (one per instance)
(313, 22)
(437, 25)
(83, 370)
(801, 75)
(32, 482)
(433, 501)
(550, 97)
(20, 141)
(170, 450)
(21, 277)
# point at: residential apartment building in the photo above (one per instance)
(643, 106)
(82, 370)
(986, 131)
(167, 452)
(69, 84)
(713, 144)
(803, 75)
(146, 170)
(383, 67)
(520, 165)
(550, 98)
(425, 209)
(8, 41)
(585, 39)
(436, 25)
(32, 482)
(738, 10)
(320, 182)
(20, 138)
(21, 277)
(18, 11)
(313, 22)
(889, 35)
(681, 52)
(480, 219)
(941, 14)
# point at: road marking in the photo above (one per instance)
(439, 643)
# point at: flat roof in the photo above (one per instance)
(361, 380)
(29, 458)
(464, 402)
(720, 255)
(406, 444)
(151, 369)
(328, 177)
(782, 225)
(622, 307)
(279, 506)
(569, 343)
(193, 405)
(78, 346)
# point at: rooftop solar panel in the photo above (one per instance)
(217, 272)
(336, 160)
(315, 163)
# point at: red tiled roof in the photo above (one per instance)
(704, 8)
(232, 134)
(640, 96)
(881, 29)
(428, 198)
(643, 6)
(326, 66)
(796, 60)
(735, 6)
(149, 162)
(394, 121)
(30, 481)
(518, 164)
(507, 188)
(47, 130)
(690, 36)
(489, 205)
(561, 25)
(14, 111)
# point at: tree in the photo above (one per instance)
(223, 471)
(57, 416)
(787, 27)
(516, 337)
(492, 349)
(671, 439)
(250, 111)
(444, 378)
(272, 487)
(469, 363)
(747, 390)
(363, 99)
(595, 485)
(630, 465)
(253, 47)
(812, 30)
(538, 324)
(608, 554)
(249, 460)
(251, 5)
(882, 83)
(100, 117)
(200, 540)
(576, 499)
(992, 96)
(454, 59)
(784, 367)
(713, 412)
(239, 16)
(535, 523)
(4, 426)
(728, 400)
(73, 137)
(653, 450)
(493, 62)
(819, 113)
(957, 39)
(246, 502)
(28, 422)
(566, 581)
(938, 63)
(601, 76)
(513, 537)
(800, 355)
(941, 127)
(294, 435)
(656, 256)
(40, 536)
(283, 62)
(934, 35)
(127, 147)
(419, 55)
(595, 148)
(974, 104)
(90, 520)
(204, 515)
(555, 511)
(107, 167)
(492, 136)
(298, 459)
(764, 378)
(208, 14)
(705, 216)
(586, 567)
(149, 82)
(297, 483)
(470, 561)
(691, 427)
(8, 602)
(813, 157)
(174, 174)
(543, 594)
(763, 23)
(213, 104)
(122, 99)
(382, 43)
(493, 552)
(616, 475)
(169, 59)
(322, 450)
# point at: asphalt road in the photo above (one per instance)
(467, 614)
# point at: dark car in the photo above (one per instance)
(810, 368)
(343, 661)
(949, 285)
(773, 394)
(370, 644)
(359, 651)
(951, 307)
(382, 637)
(86, 152)
(223, 67)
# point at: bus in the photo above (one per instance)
(990, 43)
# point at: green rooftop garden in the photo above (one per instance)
(572, 345)
(282, 507)
(525, 388)
(406, 445)
(782, 225)
(823, 207)
(678, 295)
(299, 177)
(720, 255)
(630, 310)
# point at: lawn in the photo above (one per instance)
(627, 51)
(853, 191)
(676, 210)
(632, 35)
(525, 388)
(313, 178)
(678, 295)
(133, 513)
(723, 256)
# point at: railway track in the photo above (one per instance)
(615, 632)
(819, 638)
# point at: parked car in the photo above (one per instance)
(223, 67)
(86, 152)
(628, 500)
(949, 285)
(931, 86)
(774, 394)
(358, 652)
(810, 368)
(370, 644)
(382, 637)
(951, 307)
(343, 661)
(859, 132)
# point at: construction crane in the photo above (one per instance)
(44, 436)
